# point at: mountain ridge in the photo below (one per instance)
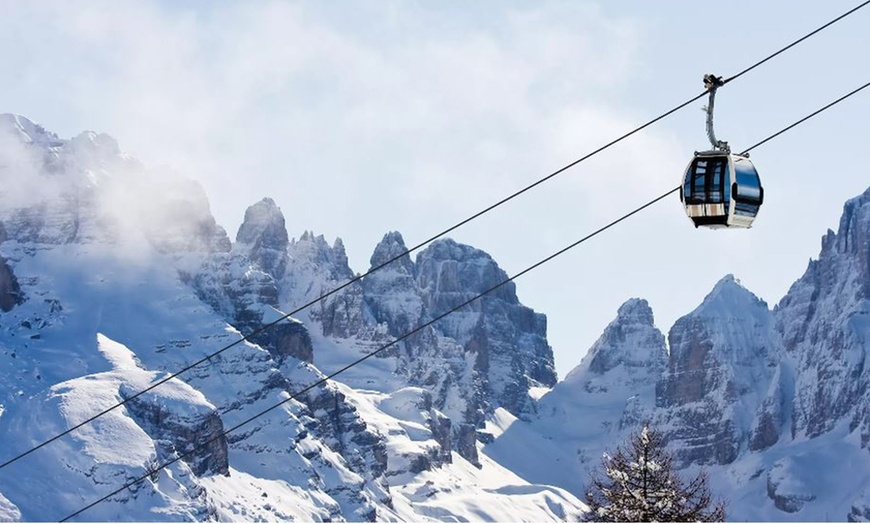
(105, 241)
(775, 403)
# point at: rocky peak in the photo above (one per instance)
(728, 297)
(854, 230)
(447, 267)
(313, 269)
(84, 190)
(95, 146)
(631, 341)
(612, 391)
(723, 353)
(508, 340)
(635, 311)
(390, 247)
(391, 293)
(339, 254)
(313, 251)
(821, 320)
(21, 128)
(263, 235)
(264, 225)
(731, 328)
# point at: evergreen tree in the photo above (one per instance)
(640, 485)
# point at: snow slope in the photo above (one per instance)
(115, 275)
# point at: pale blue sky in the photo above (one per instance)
(364, 117)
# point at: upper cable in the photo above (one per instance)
(432, 321)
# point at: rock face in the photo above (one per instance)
(823, 321)
(315, 268)
(606, 397)
(85, 190)
(10, 291)
(508, 340)
(631, 342)
(392, 294)
(489, 358)
(620, 369)
(263, 235)
(723, 355)
(196, 433)
(248, 298)
(485, 356)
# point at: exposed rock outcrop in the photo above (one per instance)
(631, 346)
(184, 426)
(507, 339)
(788, 492)
(10, 291)
(314, 269)
(263, 237)
(610, 393)
(391, 293)
(722, 357)
(823, 321)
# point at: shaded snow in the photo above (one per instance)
(8, 511)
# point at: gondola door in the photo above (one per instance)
(706, 190)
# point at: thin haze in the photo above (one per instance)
(360, 118)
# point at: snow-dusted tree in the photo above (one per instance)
(640, 485)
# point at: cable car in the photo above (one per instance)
(720, 189)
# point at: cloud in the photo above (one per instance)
(359, 118)
(313, 103)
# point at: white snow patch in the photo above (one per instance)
(243, 497)
(9, 512)
(119, 355)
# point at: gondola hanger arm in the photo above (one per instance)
(712, 83)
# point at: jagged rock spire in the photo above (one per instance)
(263, 234)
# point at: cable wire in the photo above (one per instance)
(380, 349)
(367, 356)
(796, 42)
(804, 119)
(349, 282)
(415, 248)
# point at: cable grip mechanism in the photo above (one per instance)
(712, 83)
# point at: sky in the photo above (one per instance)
(360, 118)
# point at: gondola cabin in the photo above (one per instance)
(721, 189)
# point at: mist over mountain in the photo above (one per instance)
(114, 275)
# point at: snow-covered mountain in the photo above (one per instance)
(773, 403)
(113, 275)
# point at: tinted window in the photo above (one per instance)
(706, 181)
(748, 184)
(717, 174)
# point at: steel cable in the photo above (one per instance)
(365, 357)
